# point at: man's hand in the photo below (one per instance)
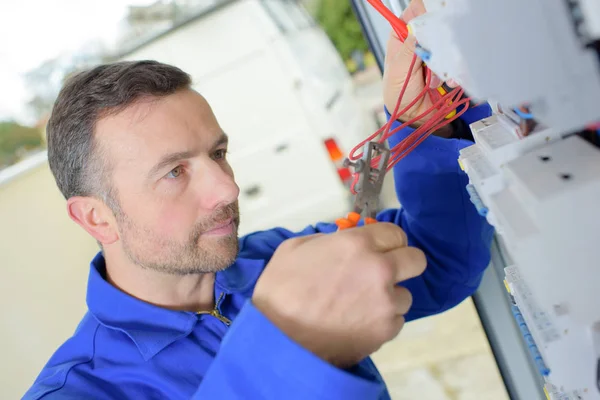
(336, 295)
(397, 63)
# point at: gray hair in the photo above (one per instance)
(78, 164)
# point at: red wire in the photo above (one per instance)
(401, 96)
(397, 114)
(442, 113)
(438, 116)
(425, 131)
(400, 156)
(394, 116)
(408, 144)
(441, 107)
(433, 124)
(398, 25)
(448, 98)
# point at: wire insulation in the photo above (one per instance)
(397, 24)
(438, 116)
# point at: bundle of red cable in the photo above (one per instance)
(442, 107)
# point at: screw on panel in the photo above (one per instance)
(566, 177)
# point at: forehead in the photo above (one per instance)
(145, 131)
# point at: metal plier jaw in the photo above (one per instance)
(369, 185)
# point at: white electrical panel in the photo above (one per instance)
(533, 173)
(540, 193)
(543, 53)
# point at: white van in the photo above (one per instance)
(283, 95)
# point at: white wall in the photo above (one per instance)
(44, 259)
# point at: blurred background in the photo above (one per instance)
(294, 85)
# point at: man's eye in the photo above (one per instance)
(220, 154)
(175, 172)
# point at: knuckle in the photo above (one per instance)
(356, 242)
(400, 234)
(418, 260)
(399, 325)
(409, 300)
(413, 112)
(288, 245)
(404, 236)
(391, 329)
(405, 300)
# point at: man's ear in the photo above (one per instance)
(95, 217)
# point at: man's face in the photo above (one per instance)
(176, 193)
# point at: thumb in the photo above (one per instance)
(383, 236)
(409, 45)
(399, 54)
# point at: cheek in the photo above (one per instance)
(175, 220)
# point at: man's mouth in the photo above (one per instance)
(224, 228)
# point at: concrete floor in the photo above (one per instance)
(445, 357)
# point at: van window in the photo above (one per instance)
(288, 15)
(299, 14)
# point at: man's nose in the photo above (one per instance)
(218, 187)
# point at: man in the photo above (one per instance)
(180, 308)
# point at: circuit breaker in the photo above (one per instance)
(534, 170)
(539, 194)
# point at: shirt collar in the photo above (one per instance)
(153, 328)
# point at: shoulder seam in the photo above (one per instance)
(73, 366)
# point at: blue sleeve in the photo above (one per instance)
(437, 216)
(257, 361)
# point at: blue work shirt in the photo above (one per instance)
(125, 348)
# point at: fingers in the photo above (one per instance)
(409, 45)
(409, 262)
(414, 9)
(452, 83)
(398, 52)
(382, 236)
(403, 299)
(401, 302)
(435, 81)
(395, 327)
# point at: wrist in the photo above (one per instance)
(281, 319)
(445, 132)
(307, 337)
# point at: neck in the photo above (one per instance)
(193, 292)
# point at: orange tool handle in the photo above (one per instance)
(344, 223)
(352, 220)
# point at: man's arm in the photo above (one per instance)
(436, 215)
(256, 360)
(439, 218)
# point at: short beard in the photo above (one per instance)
(163, 255)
